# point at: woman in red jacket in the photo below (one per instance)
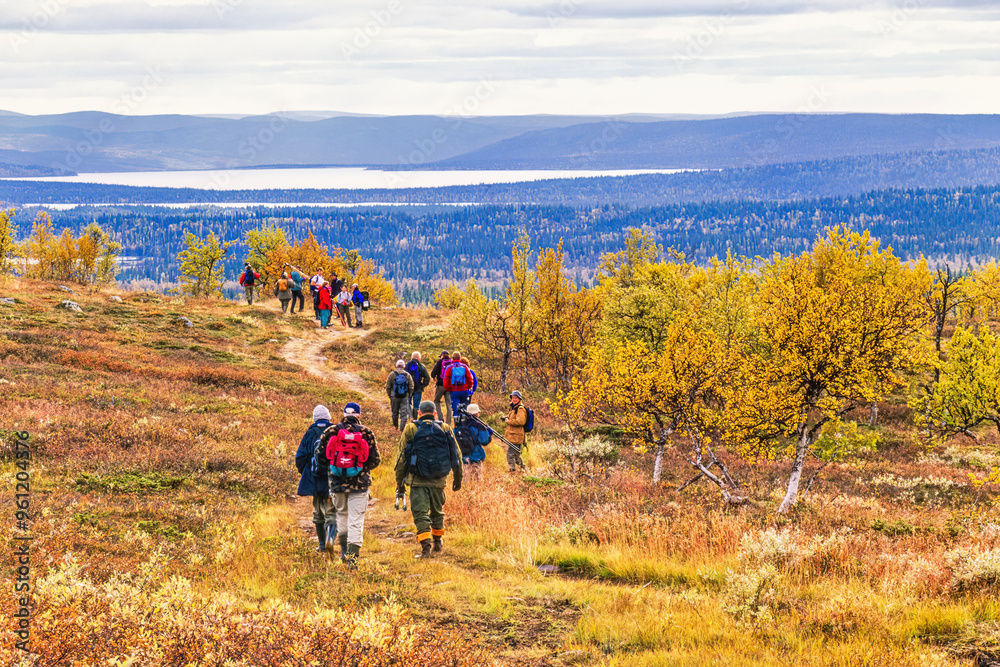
(325, 305)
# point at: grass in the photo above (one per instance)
(163, 480)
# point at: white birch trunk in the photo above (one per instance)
(791, 495)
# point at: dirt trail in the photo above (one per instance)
(308, 353)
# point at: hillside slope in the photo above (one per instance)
(166, 529)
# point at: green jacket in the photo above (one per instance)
(405, 478)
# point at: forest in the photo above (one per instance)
(420, 248)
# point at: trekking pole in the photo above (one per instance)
(488, 428)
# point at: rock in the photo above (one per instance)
(273, 340)
(548, 569)
(115, 298)
(185, 321)
(71, 305)
(66, 289)
(8, 300)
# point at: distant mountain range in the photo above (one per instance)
(96, 141)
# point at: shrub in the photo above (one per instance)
(974, 571)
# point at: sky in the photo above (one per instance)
(498, 57)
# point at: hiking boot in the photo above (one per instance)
(425, 549)
(321, 535)
(343, 547)
(351, 557)
(331, 539)
(438, 544)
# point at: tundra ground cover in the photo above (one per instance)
(167, 532)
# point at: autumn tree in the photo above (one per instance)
(267, 254)
(487, 331)
(91, 258)
(834, 329)
(8, 244)
(40, 248)
(450, 296)
(517, 307)
(566, 319)
(965, 394)
(201, 264)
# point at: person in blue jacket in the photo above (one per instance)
(478, 437)
(358, 299)
(313, 484)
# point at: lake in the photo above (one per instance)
(347, 178)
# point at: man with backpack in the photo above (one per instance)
(297, 280)
(472, 435)
(421, 378)
(428, 452)
(347, 453)
(518, 423)
(459, 382)
(311, 483)
(248, 279)
(439, 391)
(283, 290)
(399, 389)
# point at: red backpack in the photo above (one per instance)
(347, 451)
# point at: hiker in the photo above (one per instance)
(324, 305)
(458, 381)
(514, 431)
(348, 453)
(359, 305)
(472, 435)
(399, 388)
(283, 290)
(439, 391)
(421, 378)
(428, 452)
(248, 279)
(297, 280)
(335, 284)
(311, 483)
(315, 283)
(344, 304)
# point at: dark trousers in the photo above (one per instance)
(297, 297)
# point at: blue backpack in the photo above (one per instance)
(401, 385)
(413, 368)
(458, 377)
(529, 423)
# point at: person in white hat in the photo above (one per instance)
(476, 435)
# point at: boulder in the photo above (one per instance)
(71, 305)
(8, 301)
(115, 298)
(66, 289)
(185, 322)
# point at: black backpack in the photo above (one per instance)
(429, 453)
(466, 439)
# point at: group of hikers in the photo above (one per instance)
(335, 460)
(326, 294)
